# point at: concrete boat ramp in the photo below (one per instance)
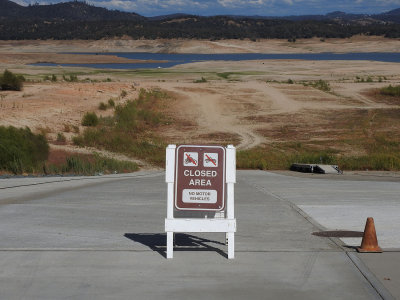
(103, 238)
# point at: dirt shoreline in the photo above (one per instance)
(314, 45)
(60, 58)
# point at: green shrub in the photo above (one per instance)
(11, 82)
(321, 85)
(224, 75)
(78, 140)
(61, 138)
(75, 128)
(111, 102)
(390, 90)
(131, 129)
(91, 165)
(126, 115)
(103, 106)
(123, 94)
(90, 119)
(21, 150)
(71, 78)
(200, 80)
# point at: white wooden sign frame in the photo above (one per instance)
(226, 225)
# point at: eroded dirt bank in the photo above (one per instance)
(315, 45)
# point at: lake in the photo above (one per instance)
(177, 59)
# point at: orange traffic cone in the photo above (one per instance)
(369, 242)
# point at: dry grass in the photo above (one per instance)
(356, 139)
(377, 95)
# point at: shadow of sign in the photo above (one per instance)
(183, 242)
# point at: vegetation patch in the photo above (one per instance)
(70, 78)
(229, 75)
(224, 75)
(103, 106)
(61, 162)
(320, 84)
(130, 129)
(61, 139)
(95, 25)
(200, 80)
(111, 102)
(11, 82)
(390, 90)
(355, 140)
(52, 78)
(276, 157)
(366, 80)
(90, 119)
(21, 151)
(389, 95)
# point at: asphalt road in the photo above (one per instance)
(103, 238)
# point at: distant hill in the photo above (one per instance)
(69, 11)
(9, 9)
(170, 16)
(391, 16)
(80, 20)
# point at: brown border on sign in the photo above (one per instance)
(181, 182)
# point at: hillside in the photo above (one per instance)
(79, 20)
(71, 11)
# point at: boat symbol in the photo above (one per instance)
(214, 161)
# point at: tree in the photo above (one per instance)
(10, 81)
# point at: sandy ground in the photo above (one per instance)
(252, 106)
(247, 107)
(49, 107)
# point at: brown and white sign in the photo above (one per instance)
(200, 178)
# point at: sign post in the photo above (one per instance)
(201, 181)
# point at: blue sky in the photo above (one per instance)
(240, 7)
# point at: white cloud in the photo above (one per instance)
(230, 3)
(21, 2)
(117, 4)
(245, 3)
(150, 5)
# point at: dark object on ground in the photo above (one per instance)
(316, 168)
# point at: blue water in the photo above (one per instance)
(177, 59)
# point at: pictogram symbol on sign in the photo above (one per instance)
(210, 160)
(200, 178)
(191, 159)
